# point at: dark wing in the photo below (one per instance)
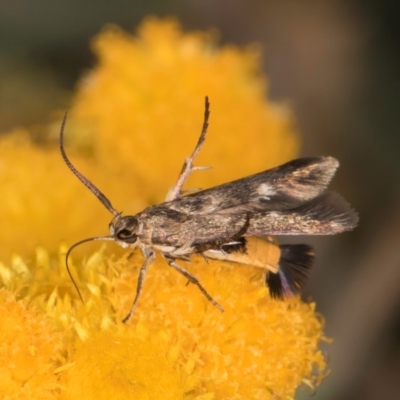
(282, 188)
(287, 200)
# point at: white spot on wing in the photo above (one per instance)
(265, 191)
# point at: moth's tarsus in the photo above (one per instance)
(224, 222)
(192, 279)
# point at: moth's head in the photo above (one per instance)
(125, 230)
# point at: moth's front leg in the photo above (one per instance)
(187, 168)
(150, 257)
(194, 280)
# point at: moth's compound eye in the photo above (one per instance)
(124, 229)
(125, 235)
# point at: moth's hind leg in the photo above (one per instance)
(194, 280)
(187, 168)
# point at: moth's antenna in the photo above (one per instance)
(76, 245)
(84, 180)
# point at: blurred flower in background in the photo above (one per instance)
(133, 120)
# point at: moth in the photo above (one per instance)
(235, 221)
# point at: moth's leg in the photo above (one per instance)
(238, 235)
(150, 257)
(187, 168)
(205, 258)
(194, 280)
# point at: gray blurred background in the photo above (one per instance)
(338, 62)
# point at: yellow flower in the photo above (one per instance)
(135, 117)
(29, 351)
(160, 79)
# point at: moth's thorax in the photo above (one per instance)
(125, 230)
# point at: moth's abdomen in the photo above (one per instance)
(286, 266)
(251, 251)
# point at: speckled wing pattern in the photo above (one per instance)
(289, 199)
